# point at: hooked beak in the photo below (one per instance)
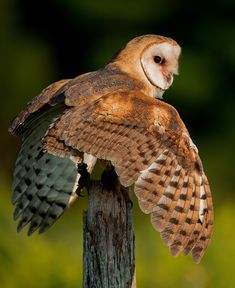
(168, 76)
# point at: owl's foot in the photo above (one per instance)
(84, 178)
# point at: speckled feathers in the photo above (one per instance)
(111, 114)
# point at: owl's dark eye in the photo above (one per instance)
(157, 59)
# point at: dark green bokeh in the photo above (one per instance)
(44, 42)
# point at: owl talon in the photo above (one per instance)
(84, 179)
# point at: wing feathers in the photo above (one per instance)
(35, 107)
(149, 146)
(163, 208)
(153, 182)
(178, 215)
(40, 179)
(169, 221)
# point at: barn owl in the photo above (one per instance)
(115, 114)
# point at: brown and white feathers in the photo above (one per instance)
(112, 114)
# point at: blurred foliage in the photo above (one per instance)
(43, 41)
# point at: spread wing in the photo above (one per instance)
(148, 144)
(43, 183)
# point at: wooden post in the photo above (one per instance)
(109, 241)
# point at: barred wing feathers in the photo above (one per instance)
(148, 144)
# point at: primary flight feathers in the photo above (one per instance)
(113, 114)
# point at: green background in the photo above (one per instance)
(44, 41)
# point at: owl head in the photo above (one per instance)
(151, 59)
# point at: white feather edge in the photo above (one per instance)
(202, 204)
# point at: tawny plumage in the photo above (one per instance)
(113, 114)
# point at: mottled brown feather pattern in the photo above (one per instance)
(109, 114)
(168, 218)
(125, 134)
(179, 213)
(148, 195)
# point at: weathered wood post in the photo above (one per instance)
(109, 241)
